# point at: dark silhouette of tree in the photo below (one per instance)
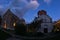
(20, 28)
(57, 26)
(0, 20)
(35, 24)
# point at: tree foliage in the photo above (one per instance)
(20, 28)
(57, 26)
(35, 25)
(0, 20)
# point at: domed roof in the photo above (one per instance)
(42, 12)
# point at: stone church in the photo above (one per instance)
(46, 25)
(10, 20)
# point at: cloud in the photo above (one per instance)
(21, 3)
(1, 9)
(20, 7)
(1, 6)
(47, 1)
(25, 1)
(4, 6)
(32, 4)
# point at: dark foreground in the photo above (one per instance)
(31, 36)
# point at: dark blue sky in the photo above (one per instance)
(52, 8)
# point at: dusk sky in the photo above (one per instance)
(29, 8)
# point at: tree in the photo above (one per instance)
(20, 28)
(35, 25)
(0, 20)
(57, 26)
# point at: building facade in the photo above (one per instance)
(46, 25)
(9, 20)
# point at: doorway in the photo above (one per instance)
(45, 30)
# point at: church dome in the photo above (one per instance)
(42, 12)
